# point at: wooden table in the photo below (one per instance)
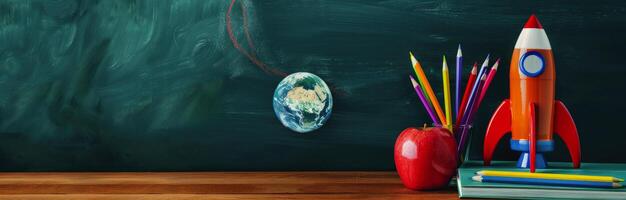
(211, 185)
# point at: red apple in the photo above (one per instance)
(425, 158)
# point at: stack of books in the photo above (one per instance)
(469, 188)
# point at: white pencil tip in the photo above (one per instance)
(477, 178)
(413, 82)
(486, 63)
(458, 52)
(495, 65)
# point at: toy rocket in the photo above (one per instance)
(532, 114)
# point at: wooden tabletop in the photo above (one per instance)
(211, 185)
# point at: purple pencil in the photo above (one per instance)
(419, 92)
(470, 115)
(476, 105)
(482, 89)
(457, 87)
(470, 104)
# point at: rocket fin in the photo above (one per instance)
(532, 139)
(499, 125)
(565, 127)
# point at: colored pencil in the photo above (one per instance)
(482, 90)
(468, 90)
(472, 96)
(419, 92)
(426, 86)
(532, 140)
(492, 73)
(457, 85)
(573, 177)
(446, 93)
(470, 111)
(413, 63)
(550, 182)
(470, 104)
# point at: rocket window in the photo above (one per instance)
(532, 64)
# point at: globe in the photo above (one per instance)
(302, 102)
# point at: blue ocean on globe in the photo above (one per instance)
(302, 102)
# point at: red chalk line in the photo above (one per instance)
(252, 57)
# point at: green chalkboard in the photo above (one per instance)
(181, 85)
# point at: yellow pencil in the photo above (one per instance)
(549, 176)
(428, 90)
(446, 94)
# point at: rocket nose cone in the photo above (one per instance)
(533, 22)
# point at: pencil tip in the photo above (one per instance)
(458, 52)
(495, 65)
(413, 60)
(477, 178)
(486, 62)
(413, 82)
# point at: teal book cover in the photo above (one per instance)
(472, 189)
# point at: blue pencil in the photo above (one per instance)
(550, 182)
(457, 87)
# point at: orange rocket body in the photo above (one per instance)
(532, 115)
(532, 90)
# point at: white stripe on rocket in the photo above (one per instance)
(533, 38)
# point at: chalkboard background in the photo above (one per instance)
(160, 86)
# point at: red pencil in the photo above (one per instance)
(533, 139)
(492, 74)
(468, 90)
